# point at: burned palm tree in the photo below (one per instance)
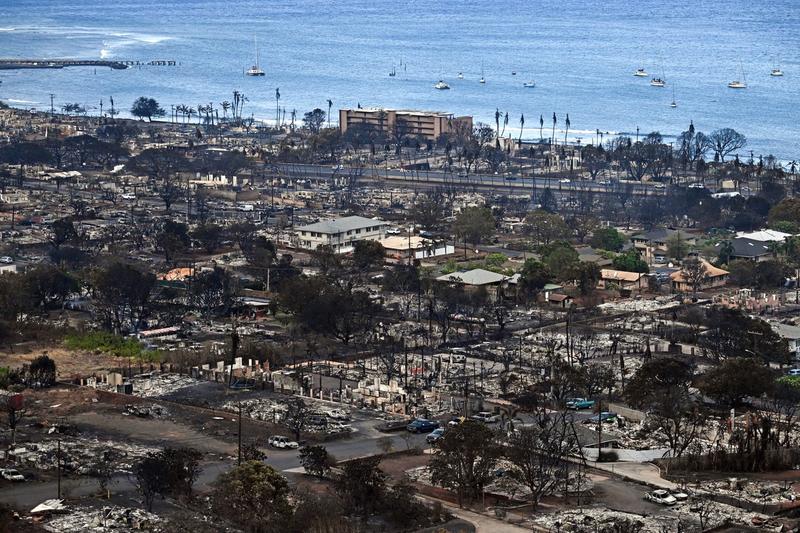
(553, 136)
(277, 107)
(521, 127)
(330, 105)
(566, 131)
(541, 126)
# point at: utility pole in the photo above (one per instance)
(58, 466)
(240, 433)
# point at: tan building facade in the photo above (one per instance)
(428, 124)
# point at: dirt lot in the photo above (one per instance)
(69, 363)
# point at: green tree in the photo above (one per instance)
(629, 261)
(560, 258)
(362, 485)
(677, 247)
(147, 108)
(464, 459)
(209, 236)
(316, 460)
(172, 239)
(314, 120)
(474, 224)
(545, 227)
(787, 210)
(735, 380)
(254, 496)
(368, 255)
(121, 296)
(608, 239)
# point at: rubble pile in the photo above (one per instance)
(146, 411)
(79, 455)
(601, 520)
(322, 418)
(627, 305)
(150, 385)
(116, 519)
(762, 492)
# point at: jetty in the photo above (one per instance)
(11, 64)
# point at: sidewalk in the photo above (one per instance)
(646, 473)
(483, 523)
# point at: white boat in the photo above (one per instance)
(739, 84)
(640, 73)
(461, 75)
(657, 82)
(255, 70)
(482, 80)
(529, 84)
(441, 85)
(393, 73)
(776, 72)
(673, 104)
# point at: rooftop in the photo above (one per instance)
(476, 277)
(401, 111)
(342, 225)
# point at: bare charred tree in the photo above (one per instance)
(538, 453)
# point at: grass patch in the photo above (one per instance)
(110, 344)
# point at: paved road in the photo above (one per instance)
(29, 494)
(517, 184)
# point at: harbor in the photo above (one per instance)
(15, 64)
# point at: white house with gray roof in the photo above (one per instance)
(340, 234)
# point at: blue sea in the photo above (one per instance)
(581, 54)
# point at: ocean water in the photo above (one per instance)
(581, 53)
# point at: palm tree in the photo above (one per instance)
(294, 116)
(277, 107)
(566, 131)
(553, 136)
(330, 105)
(190, 112)
(225, 106)
(541, 125)
(497, 127)
(521, 127)
(505, 123)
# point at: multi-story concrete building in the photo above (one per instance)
(396, 122)
(340, 234)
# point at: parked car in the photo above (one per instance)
(793, 372)
(435, 435)
(11, 475)
(605, 416)
(486, 417)
(564, 180)
(457, 421)
(679, 495)
(422, 425)
(661, 497)
(579, 403)
(6, 259)
(283, 443)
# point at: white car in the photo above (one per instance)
(661, 497)
(128, 196)
(6, 259)
(564, 180)
(283, 443)
(679, 495)
(485, 417)
(12, 475)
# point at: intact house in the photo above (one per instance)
(792, 336)
(415, 247)
(625, 281)
(751, 249)
(476, 278)
(340, 234)
(652, 245)
(714, 278)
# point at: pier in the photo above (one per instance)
(11, 64)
